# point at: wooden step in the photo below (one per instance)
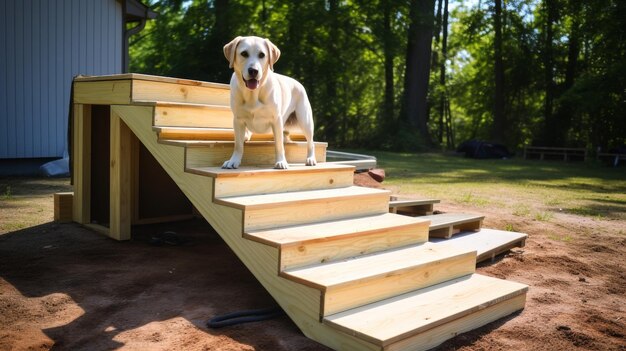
(300, 207)
(212, 134)
(130, 88)
(447, 224)
(330, 241)
(425, 318)
(170, 114)
(365, 279)
(488, 243)
(250, 180)
(414, 207)
(256, 153)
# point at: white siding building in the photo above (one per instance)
(43, 45)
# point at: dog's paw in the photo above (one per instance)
(310, 161)
(281, 165)
(231, 164)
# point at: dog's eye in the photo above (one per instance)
(261, 55)
(244, 54)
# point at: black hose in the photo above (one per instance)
(241, 317)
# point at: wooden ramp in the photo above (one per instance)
(488, 243)
(416, 207)
(447, 224)
(351, 275)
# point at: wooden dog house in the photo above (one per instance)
(351, 275)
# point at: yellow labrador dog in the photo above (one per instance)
(263, 101)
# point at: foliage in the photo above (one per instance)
(350, 56)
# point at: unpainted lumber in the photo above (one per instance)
(255, 153)
(81, 161)
(300, 302)
(365, 279)
(263, 180)
(102, 92)
(389, 321)
(143, 90)
(120, 178)
(63, 207)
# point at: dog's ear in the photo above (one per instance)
(273, 53)
(229, 51)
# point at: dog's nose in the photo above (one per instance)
(253, 72)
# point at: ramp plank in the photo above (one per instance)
(488, 243)
(447, 224)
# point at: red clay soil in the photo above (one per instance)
(64, 287)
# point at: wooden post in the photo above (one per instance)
(121, 181)
(81, 148)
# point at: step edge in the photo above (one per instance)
(251, 236)
(225, 202)
(272, 171)
(521, 290)
(399, 270)
(461, 314)
(157, 104)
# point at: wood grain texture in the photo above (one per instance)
(262, 180)
(144, 90)
(214, 154)
(401, 317)
(487, 242)
(433, 337)
(102, 93)
(81, 159)
(193, 115)
(219, 134)
(365, 279)
(333, 240)
(120, 179)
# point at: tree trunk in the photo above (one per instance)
(442, 71)
(418, 66)
(551, 124)
(388, 114)
(498, 132)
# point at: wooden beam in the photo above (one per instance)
(102, 93)
(81, 159)
(121, 180)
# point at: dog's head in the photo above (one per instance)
(251, 58)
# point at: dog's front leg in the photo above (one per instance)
(281, 160)
(240, 136)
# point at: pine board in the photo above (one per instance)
(298, 197)
(207, 154)
(193, 115)
(300, 302)
(263, 180)
(487, 242)
(333, 240)
(220, 134)
(401, 317)
(365, 279)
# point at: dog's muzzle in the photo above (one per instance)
(251, 83)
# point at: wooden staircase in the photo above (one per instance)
(351, 275)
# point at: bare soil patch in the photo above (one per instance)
(64, 287)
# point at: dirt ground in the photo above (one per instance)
(64, 287)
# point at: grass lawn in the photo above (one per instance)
(523, 188)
